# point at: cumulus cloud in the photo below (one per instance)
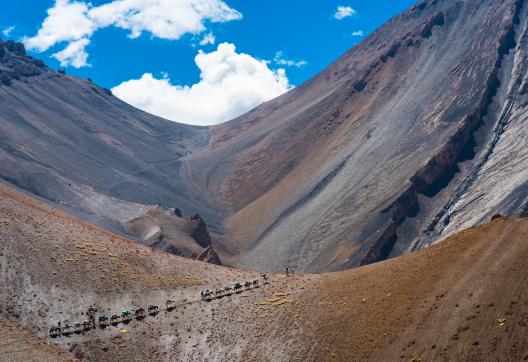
(230, 84)
(208, 38)
(74, 22)
(74, 54)
(66, 22)
(358, 33)
(344, 12)
(281, 59)
(7, 31)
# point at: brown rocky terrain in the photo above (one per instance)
(17, 344)
(464, 298)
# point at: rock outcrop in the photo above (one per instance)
(15, 64)
(163, 229)
(199, 231)
(209, 256)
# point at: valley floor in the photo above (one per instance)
(441, 303)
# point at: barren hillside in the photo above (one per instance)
(73, 143)
(17, 344)
(417, 132)
(441, 303)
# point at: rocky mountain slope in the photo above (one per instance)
(414, 134)
(167, 230)
(71, 142)
(462, 299)
(417, 132)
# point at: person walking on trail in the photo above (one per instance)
(91, 315)
(287, 271)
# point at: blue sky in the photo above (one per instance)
(307, 33)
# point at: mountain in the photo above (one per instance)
(416, 136)
(440, 303)
(72, 142)
(417, 132)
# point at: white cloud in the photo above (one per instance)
(71, 21)
(358, 33)
(7, 31)
(344, 12)
(230, 84)
(280, 59)
(66, 21)
(74, 54)
(208, 38)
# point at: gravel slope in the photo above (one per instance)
(420, 125)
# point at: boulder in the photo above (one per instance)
(437, 20)
(14, 47)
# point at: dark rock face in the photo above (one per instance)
(498, 216)
(524, 211)
(209, 256)
(14, 64)
(437, 20)
(199, 231)
(14, 47)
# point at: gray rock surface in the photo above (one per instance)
(73, 143)
(415, 133)
(423, 119)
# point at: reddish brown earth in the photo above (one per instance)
(440, 303)
(17, 344)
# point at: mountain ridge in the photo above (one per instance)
(378, 155)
